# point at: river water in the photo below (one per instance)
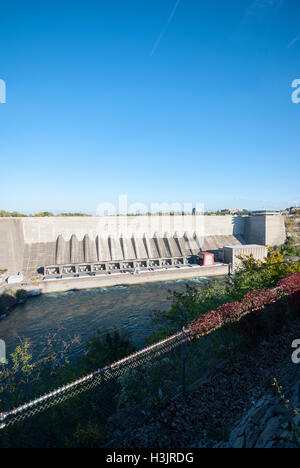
(80, 314)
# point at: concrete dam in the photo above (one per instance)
(72, 244)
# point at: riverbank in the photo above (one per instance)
(9, 299)
(7, 303)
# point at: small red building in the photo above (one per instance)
(205, 259)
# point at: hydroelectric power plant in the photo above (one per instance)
(107, 245)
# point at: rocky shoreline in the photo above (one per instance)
(11, 298)
(7, 303)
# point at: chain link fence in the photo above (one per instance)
(99, 378)
(118, 397)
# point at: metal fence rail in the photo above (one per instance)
(97, 378)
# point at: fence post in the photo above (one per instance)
(183, 364)
(3, 434)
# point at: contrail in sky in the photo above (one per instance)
(260, 9)
(294, 41)
(160, 36)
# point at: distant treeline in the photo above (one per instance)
(41, 214)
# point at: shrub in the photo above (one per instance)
(106, 348)
(2, 307)
(253, 301)
(249, 288)
(233, 311)
(87, 437)
(21, 295)
(290, 284)
(145, 384)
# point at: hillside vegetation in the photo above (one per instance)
(94, 418)
(292, 245)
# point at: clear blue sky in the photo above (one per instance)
(162, 100)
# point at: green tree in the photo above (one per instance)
(189, 305)
(21, 295)
(108, 348)
(43, 214)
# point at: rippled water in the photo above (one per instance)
(84, 312)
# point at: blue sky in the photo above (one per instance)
(162, 100)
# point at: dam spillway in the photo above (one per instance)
(117, 249)
(29, 244)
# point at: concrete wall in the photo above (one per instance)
(265, 230)
(231, 254)
(11, 245)
(29, 243)
(40, 230)
(275, 230)
(255, 230)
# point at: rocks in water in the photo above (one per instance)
(35, 292)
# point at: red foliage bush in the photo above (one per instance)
(231, 311)
(290, 284)
(253, 301)
(206, 323)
